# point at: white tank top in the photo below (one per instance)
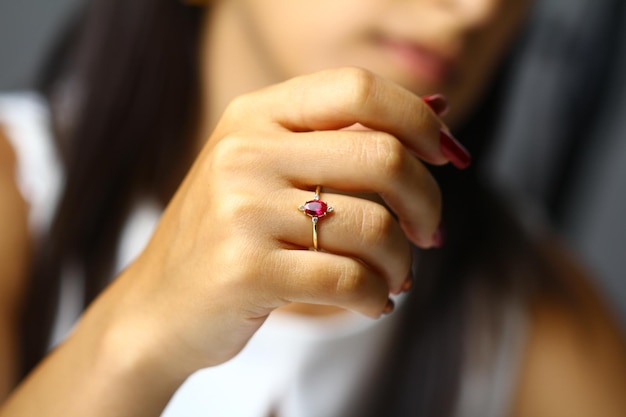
(294, 366)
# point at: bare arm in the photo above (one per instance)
(14, 250)
(575, 362)
(224, 256)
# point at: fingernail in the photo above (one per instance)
(439, 237)
(408, 282)
(454, 151)
(438, 103)
(389, 307)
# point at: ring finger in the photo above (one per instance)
(357, 228)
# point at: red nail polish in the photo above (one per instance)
(439, 237)
(389, 307)
(438, 103)
(454, 151)
(408, 283)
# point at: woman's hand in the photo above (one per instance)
(232, 245)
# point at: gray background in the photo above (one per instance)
(594, 218)
(27, 29)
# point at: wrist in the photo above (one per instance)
(130, 348)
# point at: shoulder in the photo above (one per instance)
(27, 173)
(14, 239)
(14, 255)
(575, 359)
(7, 156)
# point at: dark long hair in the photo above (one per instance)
(124, 100)
(123, 97)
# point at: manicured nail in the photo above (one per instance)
(439, 237)
(389, 307)
(454, 151)
(408, 283)
(438, 103)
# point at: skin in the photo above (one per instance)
(217, 264)
(270, 41)
(575, 362)
(14, 251)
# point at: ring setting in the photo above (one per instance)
(315, 209)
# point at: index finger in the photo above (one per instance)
(338, 98)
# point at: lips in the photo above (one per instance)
(419, 60)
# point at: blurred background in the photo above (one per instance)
(28, 29)
(561, 148)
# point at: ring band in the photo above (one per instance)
(315, 209)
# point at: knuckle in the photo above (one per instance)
(428, 213)
(238, 106)
(360, 293)
(361, 84)
(390, 155)
(377, 304)
(376, 225)
(239, 209)
(231, 153)
(351, 282)
(236, 211)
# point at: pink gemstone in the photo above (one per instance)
(315, 208)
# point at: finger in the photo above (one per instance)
(438, 103)
(361, 229)
(365, 161)
(328, 279)
(338, 98)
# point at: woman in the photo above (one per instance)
(158, 90)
